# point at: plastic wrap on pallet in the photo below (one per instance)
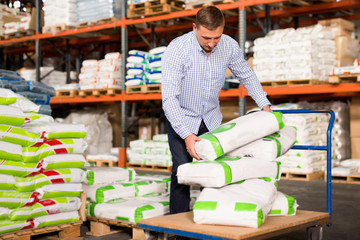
(94, 10)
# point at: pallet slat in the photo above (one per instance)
(350, 179)
(67, 93)
(149, 167)
(148, 88)
(302, 176)
(344, 78)
(291, 82)
(98, 92)
(154, 7)
(204, 3)
(102, 162)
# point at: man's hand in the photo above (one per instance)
(190, 145)
(267, 108)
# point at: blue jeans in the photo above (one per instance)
(179, 193)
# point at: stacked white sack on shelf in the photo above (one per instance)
(289, 54)
(94, 10)
(42, 167)
(60, 13)
(144, 67)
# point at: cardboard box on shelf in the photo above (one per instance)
(145, 128)
(355, 117)
(339, 26)
(347, 50)
(355, 147)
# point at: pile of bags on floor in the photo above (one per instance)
(120, 193)
(240, 170)
(150, 152)
(144, 67)
(41, 169)
(32, 96)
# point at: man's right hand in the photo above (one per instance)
(190, 145)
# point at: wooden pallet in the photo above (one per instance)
(97, 22)
(352, 179)
(62, 231)
(154, 7)
(203, 3)
(102, 227)
(147, 167)
(148, 88)
(67, 93)
(302, 176)
(19, 34)
(344, 78)
(56, 28)
(291, 82)
(98, 92)
(102, 162)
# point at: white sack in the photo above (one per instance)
(283, 205)
(237, 133)
(108, 175)
(102, 193)
(226, 170)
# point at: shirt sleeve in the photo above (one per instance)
(242, 71)
(172, 75)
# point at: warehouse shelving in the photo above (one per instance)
(109, 32)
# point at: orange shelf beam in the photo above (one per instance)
(87, 99)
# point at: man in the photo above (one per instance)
(193, 72)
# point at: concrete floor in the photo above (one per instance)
(310, 195)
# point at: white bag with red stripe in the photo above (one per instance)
(53, 147)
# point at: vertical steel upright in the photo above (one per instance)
(37, 40)
(124, 50)
(242, 40)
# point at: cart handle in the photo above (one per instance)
(326, 148)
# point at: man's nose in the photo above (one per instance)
(212, 43)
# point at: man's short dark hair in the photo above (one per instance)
(210, 17)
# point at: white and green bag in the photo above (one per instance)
(13, 199)
(7, 96)
(7, 182)
(283, 205)
(19, 136)
(25, 104)
(56, 219)
(59, 190)
(71, 175)
(237, 133)
(46, 207)
(11, 116)
(4, 213)
(63, 161)
(154, 177)
(7, 226)
(10, 151)
(150, 187)
(108, 175)
(102, 193)
(131, 210)
(270, 147)
(245, 203)
(58, 130)
(53, 147)
(36, 118)
(226, 170)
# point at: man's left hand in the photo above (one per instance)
(267, 108)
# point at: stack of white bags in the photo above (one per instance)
(60, 12)
(289, 54)
(144, 67)
(40, 174)
(240, 170)
(120, 193)
(150, 152)
(94, 10)
(101, 74)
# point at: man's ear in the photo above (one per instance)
(194, 26)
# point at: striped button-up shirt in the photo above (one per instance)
(191, 82)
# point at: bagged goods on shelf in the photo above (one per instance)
(113, 55)
(347, 50)
(351, 163)
(103, 193)
(157, 50)
(283, 205)
(108, 157)
(268, 148)
(94, 10)
(37, 98)
(150, 187)
(53, 147)
(11, 226)
(226, 170)
(99, 175)
(246, 203)
(10, 151)
(7, 96)
(344, 170)
(238, 133)
(69, 175)
(56, 219)
(45, 109)
(60, 12)
(25, 104)
(46, 207)
(59, 190)
(35, 118)
(131, 210)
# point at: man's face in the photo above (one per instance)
(207, 38)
